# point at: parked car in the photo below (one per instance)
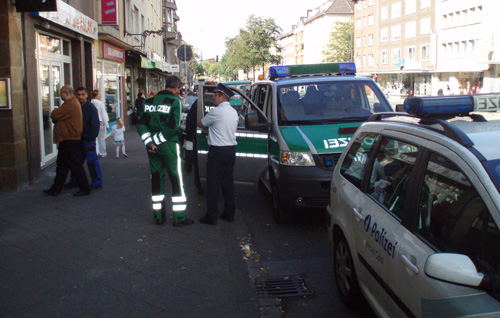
(414, 210)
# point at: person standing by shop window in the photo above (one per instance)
(103, 123)
(68, 126)
(158, 126)
(89, 134)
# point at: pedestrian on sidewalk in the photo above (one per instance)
(221, 122)
(119, 137)
(103, 123)
(158, 126)
(89, 134)
(138, 105)
(68, 127)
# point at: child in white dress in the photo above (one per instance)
(119, 137)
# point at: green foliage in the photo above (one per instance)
(340, 44)
(255, 46)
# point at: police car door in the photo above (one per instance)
(380, 226)
(251, 151)
(453, 215)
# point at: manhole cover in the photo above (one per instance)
(282, 286)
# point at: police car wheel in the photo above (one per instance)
(345, 274)
(280, 215)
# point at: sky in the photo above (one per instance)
(207, 24)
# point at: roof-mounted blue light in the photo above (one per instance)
(312, 69)
(422, 106)
(452, 105)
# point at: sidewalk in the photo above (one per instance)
(103, 256)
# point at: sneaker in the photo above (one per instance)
(207, 220)
(186, 221)
(95, 187)
(125, 155)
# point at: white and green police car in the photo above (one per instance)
(294, 127)
(414, 210)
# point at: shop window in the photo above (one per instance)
(49, 44)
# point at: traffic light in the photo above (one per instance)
(350, 56)
(35, 5)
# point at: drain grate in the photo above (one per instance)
(283, 286)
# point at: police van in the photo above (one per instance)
(414, 212)
(294, 127)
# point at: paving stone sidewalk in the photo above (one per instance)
(103, 256)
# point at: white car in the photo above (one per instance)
(414, 210)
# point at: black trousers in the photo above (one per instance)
(68, 159)
(220, 167)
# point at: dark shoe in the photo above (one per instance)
(81, 193)
(52, 192)
(207, 220)
(94, 187)
(162, 219)
(69, 185)
(226, 217)
(186, 221)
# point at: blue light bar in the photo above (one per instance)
(312, 69)
(422, 106)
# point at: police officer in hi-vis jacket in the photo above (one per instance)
(158, 126)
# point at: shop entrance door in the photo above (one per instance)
(49, 76)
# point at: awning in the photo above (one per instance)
(145, 63)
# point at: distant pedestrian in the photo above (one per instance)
(158, 126)
(221, 122)
(68, 126)
(138, 105)
(119, 137)
(103, 123)
(89, 134)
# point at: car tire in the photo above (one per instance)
(345, 273)
(280, 214)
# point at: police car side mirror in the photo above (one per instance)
(453, 268)
(400, 108)
(252, 122)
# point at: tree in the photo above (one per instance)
(261, 41)
(339, 48)
(255, 46)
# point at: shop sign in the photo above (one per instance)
(109, 12)
(145, 63)
(173, 68)
(112, 52)
(69, 17)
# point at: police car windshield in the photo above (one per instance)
(327, 102)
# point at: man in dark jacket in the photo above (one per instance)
(89, 135)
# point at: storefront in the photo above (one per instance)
(109, 74)
(60, 57)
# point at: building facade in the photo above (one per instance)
(94, 44)
(424, 47)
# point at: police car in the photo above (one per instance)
(414, 210)
(293, 129)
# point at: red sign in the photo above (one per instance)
(112, 52)
(109, 12)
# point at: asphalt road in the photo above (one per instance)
(300, 248)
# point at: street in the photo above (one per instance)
(300, 248)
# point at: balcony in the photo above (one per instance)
(169, 4)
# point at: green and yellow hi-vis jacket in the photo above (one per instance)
(159, 119)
